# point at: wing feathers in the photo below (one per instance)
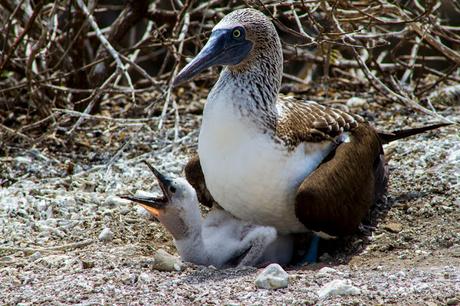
(307, 121)
(336, 196)
(194, 175)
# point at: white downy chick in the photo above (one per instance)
(220, 239)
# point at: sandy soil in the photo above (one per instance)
(58, 199)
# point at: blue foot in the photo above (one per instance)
(312, 254)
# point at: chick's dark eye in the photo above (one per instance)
(236, 33)
(172, 189)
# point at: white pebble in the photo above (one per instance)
(41, 205)
(166, 262)
(106, 235)
(142, 212)
(35, 256)
(421, 287)
(356, 102)
(145, 194)
(326, 271)
(454, 154)
(56, 261)
(114, 201)
(338, 287)
(66, 201)
(145, 278)
(272, 277)
(23, 160)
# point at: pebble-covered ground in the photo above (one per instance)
(66, 238)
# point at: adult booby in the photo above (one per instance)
(275, 160)
(220, 239)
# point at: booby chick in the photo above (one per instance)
(220, 239)
(274, 160)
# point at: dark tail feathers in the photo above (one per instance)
(398, 134)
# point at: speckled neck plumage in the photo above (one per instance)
(252, 87)
(252, 99)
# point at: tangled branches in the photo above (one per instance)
(71, 56)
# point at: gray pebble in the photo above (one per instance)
(106, 235)
(23, 160)
(338, 287)
(166, 262)
(35, 256)
(142, 212)
(56, 260)
(356, 102)
(114, 201)
(272, 277)
(327, 271)
(144, 278)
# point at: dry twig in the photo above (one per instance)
(52, 68)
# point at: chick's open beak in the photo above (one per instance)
(154, 205)
(163, 180)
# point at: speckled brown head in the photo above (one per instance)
(243, 40)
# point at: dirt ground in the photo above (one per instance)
(56, 199)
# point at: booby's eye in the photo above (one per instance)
(236, 33)
(172, 189)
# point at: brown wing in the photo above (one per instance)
(307, 121)
(194, 175)
(339, 193)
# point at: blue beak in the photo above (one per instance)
(221, 49)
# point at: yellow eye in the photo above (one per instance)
(236, 33)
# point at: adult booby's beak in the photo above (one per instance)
(154, 205)
(221, 49)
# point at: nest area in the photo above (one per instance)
(85, 95)
(66, 66)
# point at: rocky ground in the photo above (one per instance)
(66, 238)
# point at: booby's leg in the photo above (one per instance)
(312, 254)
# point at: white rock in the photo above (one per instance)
(56, 261)
(106, 235)
(398, 275)
(166, 262)
(142, 212)
(35, 256)
(454, 154)
(23, 160)
(144, 278)
(114, 201)
(9, 204)
(145, 194)
(272, 277)
(421, 287)
(356, 102)
(66, 201)
(338, 287)
(41, 205)
(327, 271)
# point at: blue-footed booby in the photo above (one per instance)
(274, 160)
(220, 239)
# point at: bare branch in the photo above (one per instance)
(107, 45)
